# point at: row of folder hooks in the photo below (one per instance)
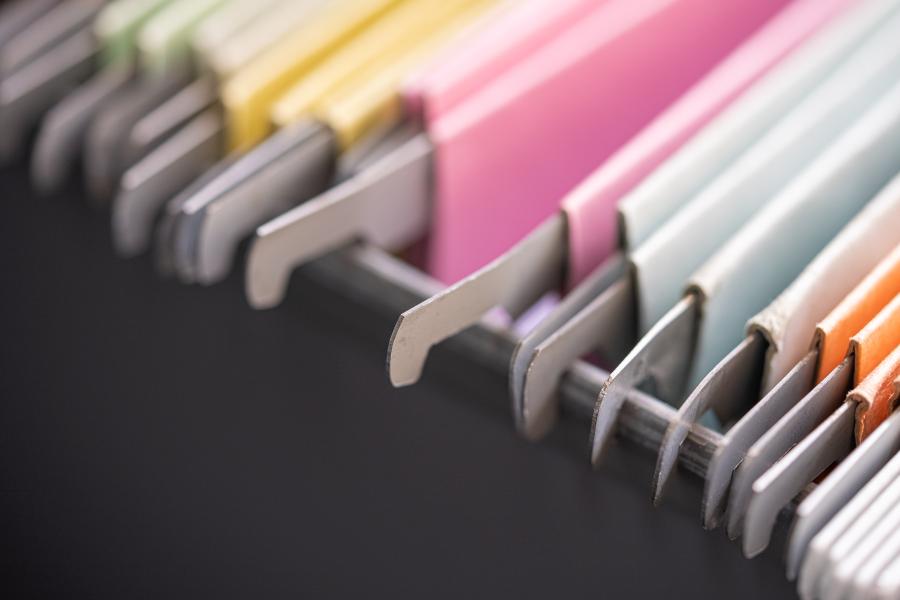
(688, 210)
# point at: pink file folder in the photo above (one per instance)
(504, 37)
(507, 154)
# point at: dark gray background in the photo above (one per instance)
(164, 441)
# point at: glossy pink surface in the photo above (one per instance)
(507, 154)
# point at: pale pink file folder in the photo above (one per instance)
(506, 155)
(591, 209)
(504, 37)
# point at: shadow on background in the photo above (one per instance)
(158, 440)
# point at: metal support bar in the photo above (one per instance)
(389, 285)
